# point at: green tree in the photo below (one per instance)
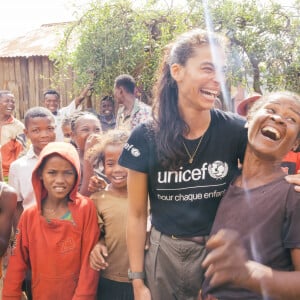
(264, 42)
(117, 37)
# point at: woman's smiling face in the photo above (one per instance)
(199, 80)
(85, 126)
(274, 128)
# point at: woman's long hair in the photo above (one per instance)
(168, 124)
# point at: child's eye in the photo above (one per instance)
(69, 172)
(35, 130)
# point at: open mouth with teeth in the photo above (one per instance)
(119, 177)
(209, 93)
(271, 133)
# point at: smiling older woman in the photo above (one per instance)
(259, 258)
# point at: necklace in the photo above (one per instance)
(191, 156)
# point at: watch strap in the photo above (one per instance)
(136, 275)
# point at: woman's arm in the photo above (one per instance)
(136, 228)
(227, 262)
(8, 201)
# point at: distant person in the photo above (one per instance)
(107, 113)
(12, 137)
(52, 102)
(40, 130)
(55, 236)
(66, 128)
(131, 111)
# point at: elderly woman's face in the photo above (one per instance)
(274, 128)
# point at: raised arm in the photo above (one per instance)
(136, 229)
(85, 93)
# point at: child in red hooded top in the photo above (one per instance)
(54, 238)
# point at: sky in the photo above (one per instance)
(20, 16)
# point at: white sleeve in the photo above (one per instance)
(13, 179)
(68, 110)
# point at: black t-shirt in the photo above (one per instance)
(184, 202)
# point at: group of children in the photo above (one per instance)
(55, 237)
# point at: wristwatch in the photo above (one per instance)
(136, 275)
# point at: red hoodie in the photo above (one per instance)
(57, 252)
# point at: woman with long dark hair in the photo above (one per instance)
(184, 160)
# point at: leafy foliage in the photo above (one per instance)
(116, 37)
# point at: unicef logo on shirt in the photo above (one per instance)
(218, 169)
(135, 152)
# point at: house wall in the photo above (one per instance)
(28, 78)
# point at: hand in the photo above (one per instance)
(294, 179)
(96, 183)
(141, 292)
(92, 147)
(98, 255)
(87, 91)
(227, 260)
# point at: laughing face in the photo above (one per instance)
(274, 128)
(116, 174)
(199, 80)
(7, 104)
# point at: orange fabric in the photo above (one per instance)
(13, 142)
(10, 152)
(57, 251)
(291, 162)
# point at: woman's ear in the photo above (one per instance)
(176, 71)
